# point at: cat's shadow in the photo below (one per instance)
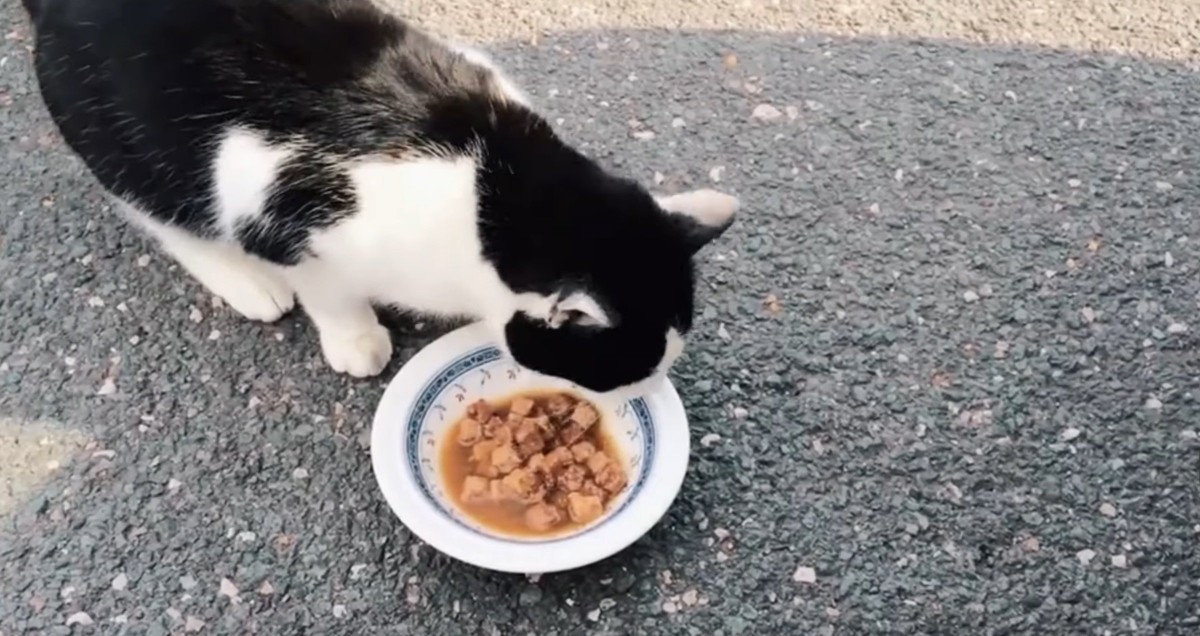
(410, 332)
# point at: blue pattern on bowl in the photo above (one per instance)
(445, 396)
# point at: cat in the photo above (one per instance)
(331, 152)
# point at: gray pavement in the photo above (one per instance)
(945, 379)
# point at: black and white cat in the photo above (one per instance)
(327, 151)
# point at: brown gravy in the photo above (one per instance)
(498, 489)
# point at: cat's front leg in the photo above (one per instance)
(352, 339)
(357, 346)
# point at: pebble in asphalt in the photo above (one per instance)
(891, 348)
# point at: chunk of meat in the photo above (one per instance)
(528, 438)
(571, 479)
(592, 488)
(513, 419)
(523, 406)
(584, 508)
(582, 451)
(571, 434)
(524, 486)
(530, 446)
(611, 478)
(475, 489)
(481, 453)
(558, 459)
(537, 463)
(526, 429)
(469, 432)
(585, 415)
(542, 516)
(504, 435)
(480, 410)
(493, 425)
(597, 462)
(505, 459)
(542, 422)
(559, 405)
(558, 499)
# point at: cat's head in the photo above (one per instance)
(603, 275)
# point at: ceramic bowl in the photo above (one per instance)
(431, 393)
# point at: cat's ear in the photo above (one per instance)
(579, 308)
(700, 215)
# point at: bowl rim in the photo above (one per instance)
(427, 521)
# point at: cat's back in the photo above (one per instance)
(198, 64)
(146, 91)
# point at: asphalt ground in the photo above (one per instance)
(944, 379)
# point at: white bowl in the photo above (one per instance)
(432, 391)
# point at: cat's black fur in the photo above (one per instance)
(142, 89)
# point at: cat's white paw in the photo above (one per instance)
(257, 294)
(361, 353)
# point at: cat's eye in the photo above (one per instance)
(579, 310)
(583, 320)
(572, 317)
